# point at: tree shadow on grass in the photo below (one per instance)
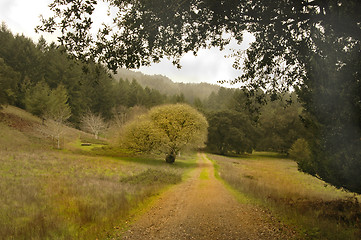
(254, 156)
(269, 155)
(152, 161)
(185, 161)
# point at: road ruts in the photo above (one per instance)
(202, 208)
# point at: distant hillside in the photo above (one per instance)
(167, 86)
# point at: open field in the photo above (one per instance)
(318, 210)
(64, 194)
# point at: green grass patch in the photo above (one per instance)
(204, 174)
(79, 145)
(92, 140)
(57, 195)
(153, 176)
(186, 162)
(241, 197)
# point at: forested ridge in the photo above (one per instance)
(238, 123)
(28, 67)
(165, 85)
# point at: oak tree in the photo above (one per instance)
(312, 46)
(231, 132)
(167, 129)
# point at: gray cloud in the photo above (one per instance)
(210, 65)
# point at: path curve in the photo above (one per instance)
(202, 208)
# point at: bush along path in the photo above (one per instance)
(202, 208)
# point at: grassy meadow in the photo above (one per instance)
(316, 209)
(73, 193)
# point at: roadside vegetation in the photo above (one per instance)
(74, 192)
(317, 209)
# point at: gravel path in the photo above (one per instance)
(202, 208)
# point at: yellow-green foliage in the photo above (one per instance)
(181, 123)
(300, 152)
(142, 136)
(166, 128)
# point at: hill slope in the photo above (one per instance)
(70, 193)
(167, 86)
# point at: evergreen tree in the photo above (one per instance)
(37, 99)
(9, 80)
(57, 113)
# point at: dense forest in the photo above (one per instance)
(27, 67)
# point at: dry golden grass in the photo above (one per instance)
(320, 210)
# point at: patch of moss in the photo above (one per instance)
(204, 174)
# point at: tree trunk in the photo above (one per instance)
(170, 158)
(58, 142)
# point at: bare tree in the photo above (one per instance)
(120, 115)
(123, 114)
(93, 123)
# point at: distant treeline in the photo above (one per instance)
(238, 121)
(163, 84)
(90, 86)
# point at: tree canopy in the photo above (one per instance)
(8, 83)
(312, 46)
(285, 30)
(90, 86)
(168, 129)
(231, 131)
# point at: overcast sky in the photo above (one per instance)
(210, 65)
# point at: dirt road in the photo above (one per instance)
(202, 208)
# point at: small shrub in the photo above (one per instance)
(301, 153)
